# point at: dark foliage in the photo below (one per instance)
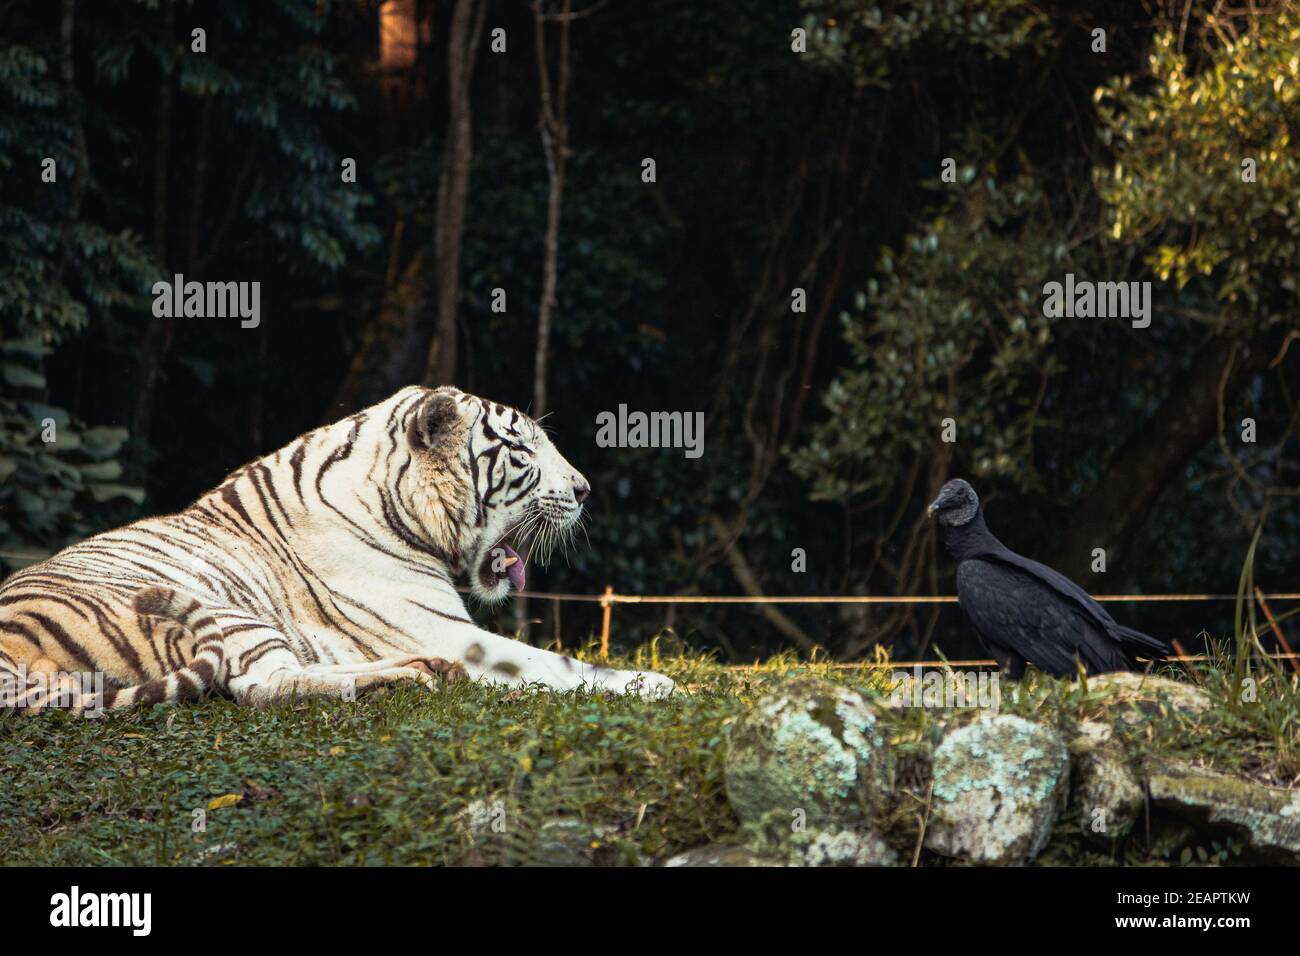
(775, 171)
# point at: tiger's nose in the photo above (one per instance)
(580, 491)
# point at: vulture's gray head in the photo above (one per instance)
(956, 505)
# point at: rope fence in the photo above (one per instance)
(609, 599)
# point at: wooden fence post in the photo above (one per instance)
(607, 603)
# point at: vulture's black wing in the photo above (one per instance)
(1068, 589)
(1052, 578)
(1018, 610)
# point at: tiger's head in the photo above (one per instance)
(489, 487)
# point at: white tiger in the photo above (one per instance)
(325, 568)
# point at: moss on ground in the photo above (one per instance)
(470, 775)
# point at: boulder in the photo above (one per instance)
(566, 842)
(999, 785)
(810, 757)
(1267, 818)
(1106, 796)
(1137, 695)
(558, 841)
(721, 854)
(842, 848)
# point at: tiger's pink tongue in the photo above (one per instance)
(516, 569)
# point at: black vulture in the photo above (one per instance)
(1025, 611)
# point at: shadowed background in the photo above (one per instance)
(774, 170)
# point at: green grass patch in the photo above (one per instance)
(389, 780)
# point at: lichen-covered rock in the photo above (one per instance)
(842, 848)
(999, 785)
(1268, 818)
(1106, 796)
(721, 854)
(1136, 695)
(810, 757)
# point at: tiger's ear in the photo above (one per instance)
(434, 422)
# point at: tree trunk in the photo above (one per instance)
(392, 354)
(466, 31)
(552, 121)
(403, 343)
(1114, 510)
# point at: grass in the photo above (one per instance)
(388, 780)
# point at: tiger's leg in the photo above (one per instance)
(452, 670)
(255, 663)
(36, 685)
(264, 671)
(16, 686)
(494, 659)
(30, 682)
(12, 683)
(48, 688)
(189, 683)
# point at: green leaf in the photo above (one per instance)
(102, 492)
(102, 471)
(103, 441)
(19, 376)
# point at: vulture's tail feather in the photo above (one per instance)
(1129, 636)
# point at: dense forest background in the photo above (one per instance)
(501, 145)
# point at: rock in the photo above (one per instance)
(1266, 817)
(1106, 797)
(210, 853)
(843, 848)
(566, 842)
(569, 841)
(1138, 695)
(811, 755)
(721, 854)
(560, 841)
(999, 785)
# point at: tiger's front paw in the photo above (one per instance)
(449, 671)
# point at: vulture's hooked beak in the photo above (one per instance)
(942, 501)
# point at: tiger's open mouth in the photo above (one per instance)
(502, 562)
